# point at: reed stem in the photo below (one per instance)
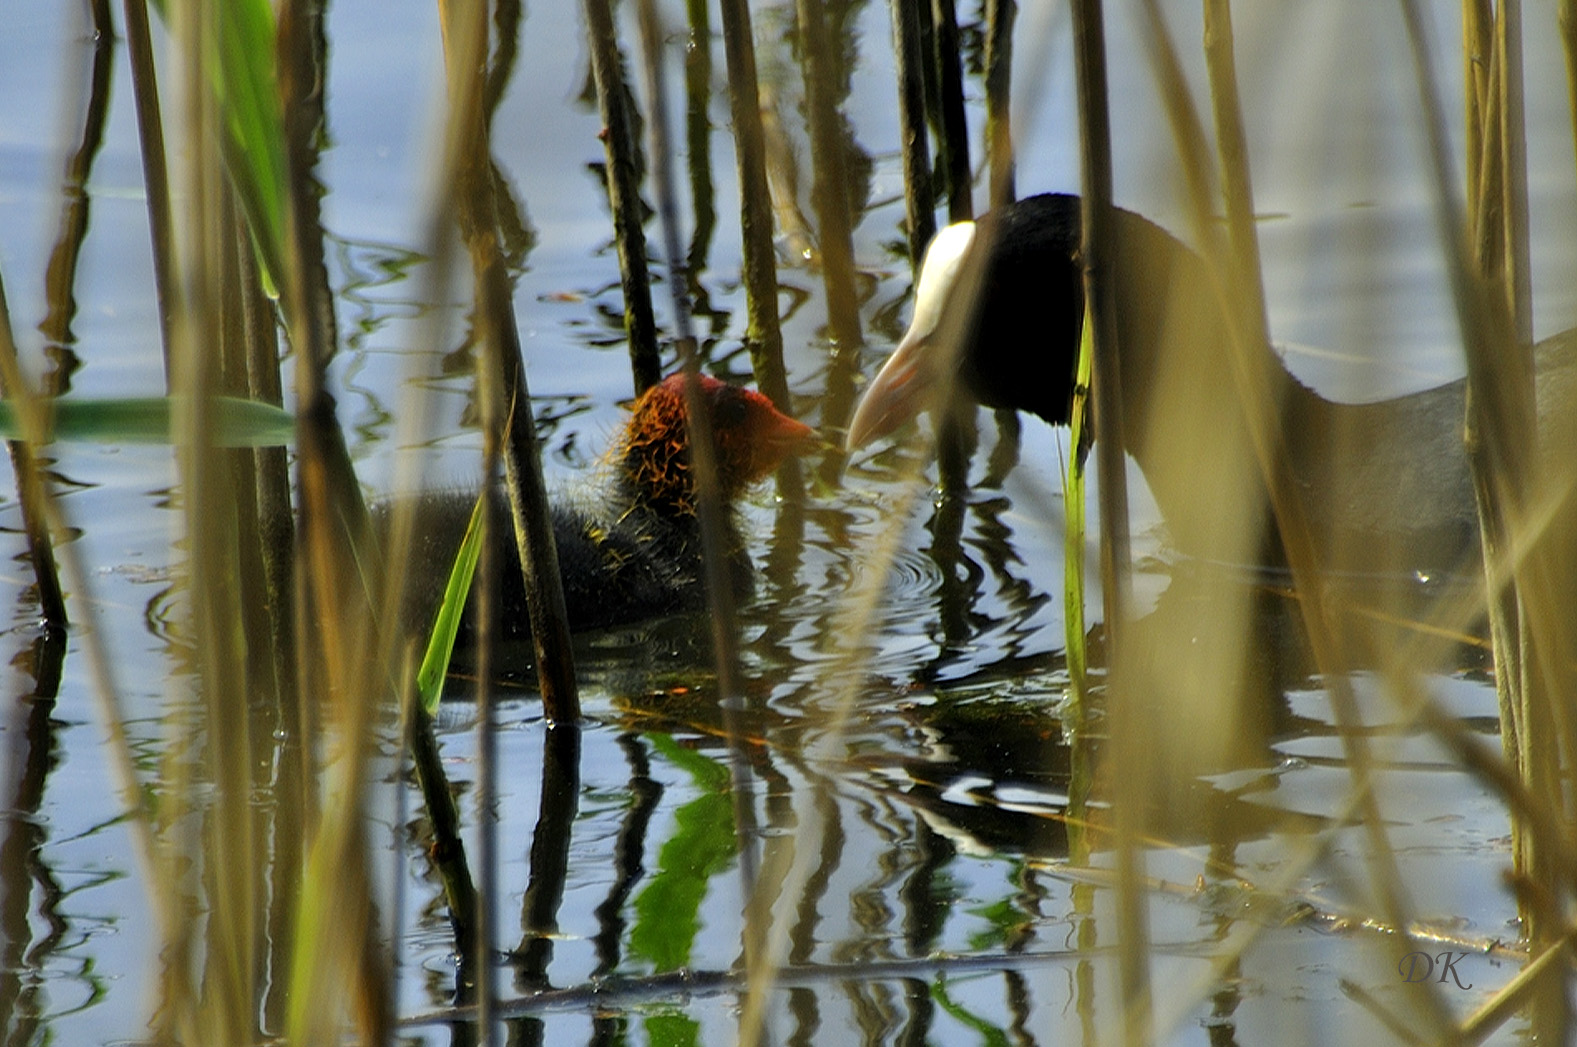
(155, 171)
(913, 142)
(1514, 162)
(999, 16)
(30, 486)
(954, 133)
(621, 143)
(830, 190)
(465, 40)
(709, 503)
(1477, 51)
(763, 334)
(500, 344)
(1567, 24)
(698, 145)
(1237, 188)
(1265, 430)
(1127, 718)
(834, 224)
(1537, 644)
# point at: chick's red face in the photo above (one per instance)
(751, 436)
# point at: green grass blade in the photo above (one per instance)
(240, 68)
(440, 644)
(1073, 505)
(243, 78)
(146, 420)
(1082, 763)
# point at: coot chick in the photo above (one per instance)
(629, 550)
(1386, 484)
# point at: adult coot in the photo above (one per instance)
(1386, 484)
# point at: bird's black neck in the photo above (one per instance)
(1170, 326)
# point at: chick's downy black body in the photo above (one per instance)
(614, 568)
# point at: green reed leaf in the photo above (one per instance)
(440, 644)
(239, 65)
(1073, 505)
(146, 420)
(243, 79)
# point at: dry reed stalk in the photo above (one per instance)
(1124, 702)
(763, 335)
(338, 583)
(155, 171)
(999, 16)
(953, 126)
(1527, 626)
(622, 145)
(31, 412)
(1567, 24)
(465, 51)
(1213, 716)
(709, 504)
(529, 508)
(1250, 351)
(914, 144)
(220, 1003)
(463, 193)
(1477, 53)
(1510, 77)
(1531, 617)
(416, 725)
(830, 189)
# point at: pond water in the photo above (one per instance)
(923, 891)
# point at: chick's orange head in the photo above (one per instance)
(750, 437)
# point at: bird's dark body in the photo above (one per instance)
(614, 571)
(1383, 485)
